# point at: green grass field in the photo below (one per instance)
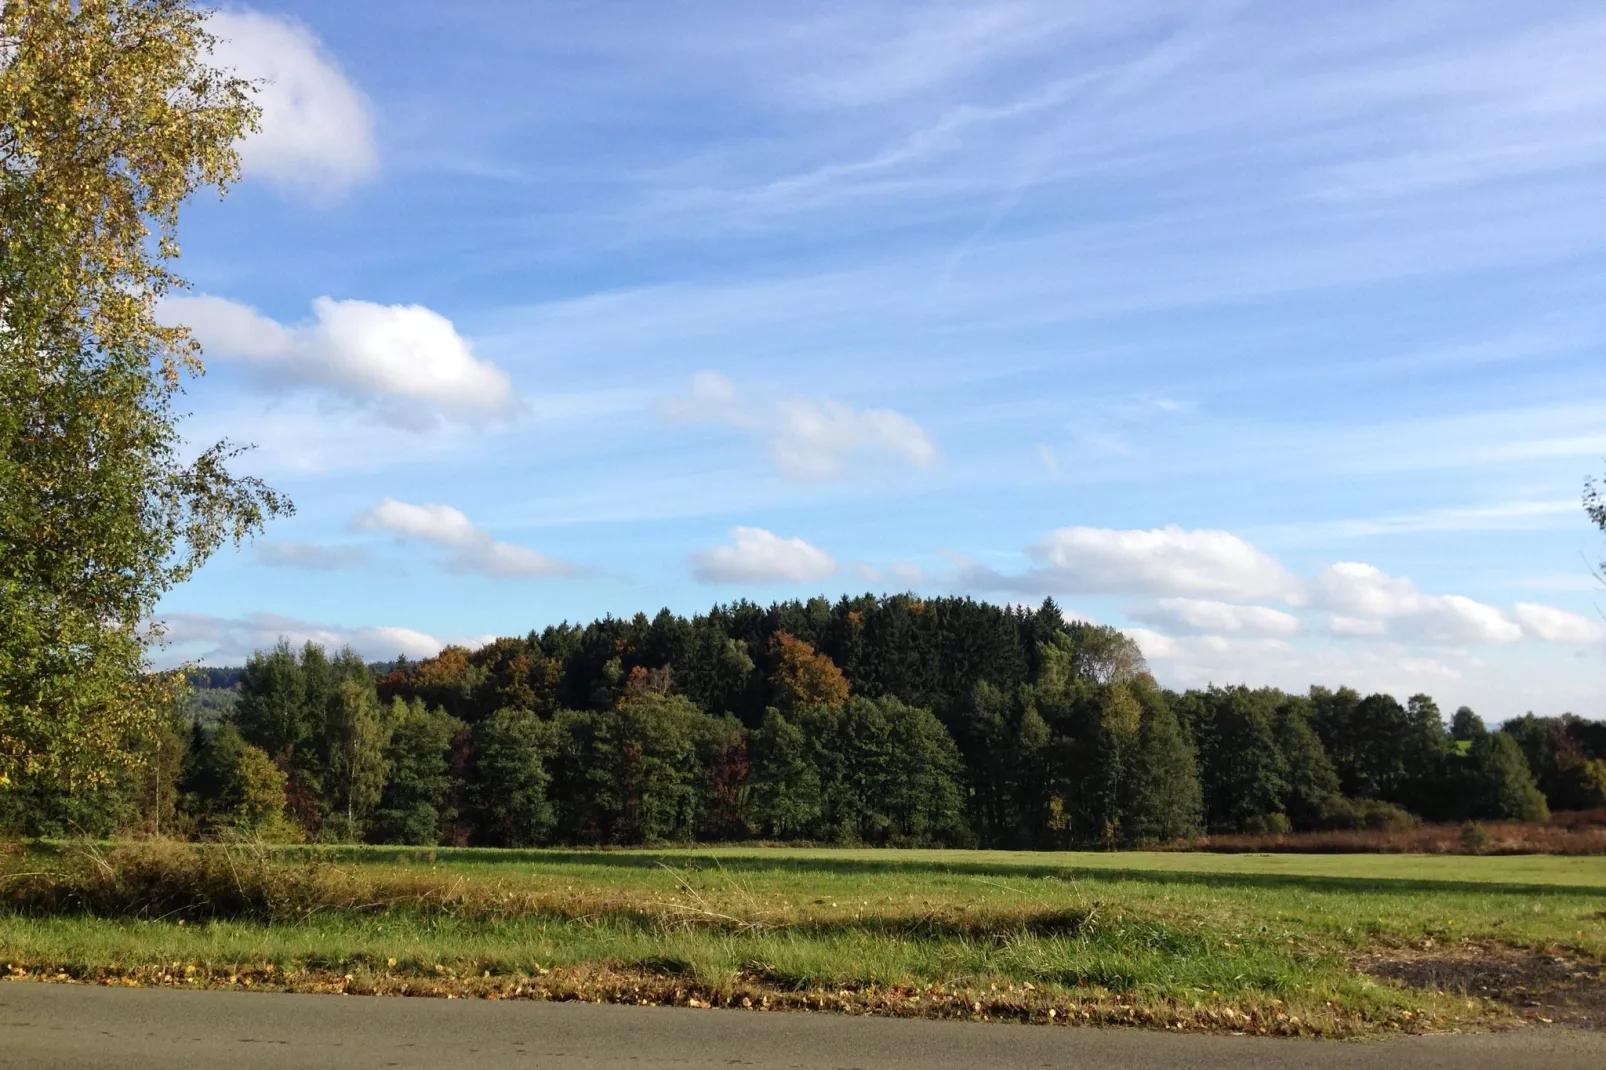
(1254, 942)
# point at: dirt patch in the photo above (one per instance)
(1541, 986)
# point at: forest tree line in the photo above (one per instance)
(889, 720)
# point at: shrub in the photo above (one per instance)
(1353, 814)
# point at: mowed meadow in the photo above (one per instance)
(1313, 944)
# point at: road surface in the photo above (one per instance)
(46, 1026)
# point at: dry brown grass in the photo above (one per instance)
(1568, 834)
(163, 880)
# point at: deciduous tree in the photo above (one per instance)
(111, 116)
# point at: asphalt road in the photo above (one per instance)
(47, 1026)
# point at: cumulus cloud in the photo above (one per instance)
(1366, 600)
(1159, 646)
(1556, 625)
(755, 555)
(203, 637)
(1197, 660)
(311, 556)
(1164, 561)
(473, 548)
(317, 130)
(809, 438)
(1205, 615)
(407, 361)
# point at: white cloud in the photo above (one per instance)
(903, 574)
(1369, 601)
(203, 637)
(758, 556)
(1556, 625)
(1164, 561)
(1196, 660)
(316, 135)
(1153, 644)
(406, 360)
(809, 438)
(1366, 590)
(474, 548)
(1339, 624)
(310, 556)
(1209, 616)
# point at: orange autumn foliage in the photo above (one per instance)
(804, 677)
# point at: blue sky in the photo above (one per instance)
(1268, 332)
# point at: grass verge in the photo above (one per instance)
(1250, 945)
